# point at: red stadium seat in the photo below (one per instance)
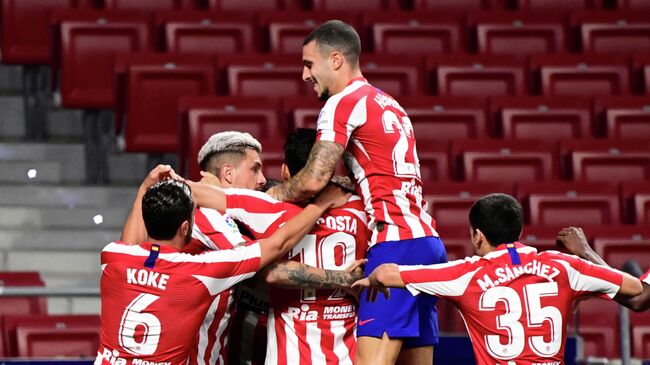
(449, 203)
(52, 335)
(619, 32)
(477, 76)
(153, 83)
(598, 325)
(641, 67)
(264, 75)
(449, 319)
(633, 4)
(556, 6)
(608, 160)
(355, 6)
(273, 158)
(88, 44)
(636, 198)
(444, 119)
(151, 5)
(499, 161)
(456, 239)
(640, 334)
(543, 238)
(21, 305)
(616, 251)
(26, 31)
(287, 31)
(518, 34)
(395, 75)
(207, 33)
(301, 112)
(253, 5)
(542, 118)
(51, 342)
(624, 117)
(434, 164)
(204, 116)
(447, 6)
(581, 75)
(419, 33)
(568, 204)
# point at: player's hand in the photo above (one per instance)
(209, 179)
(356, 270)
(574, 240)
(373, 287)
(160, 173)
(331, 197)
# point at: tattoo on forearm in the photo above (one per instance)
(300, 277)
(320, 166)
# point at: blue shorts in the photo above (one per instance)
(411, 318)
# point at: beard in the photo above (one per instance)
(324, 95)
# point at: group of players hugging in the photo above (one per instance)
(323, 269)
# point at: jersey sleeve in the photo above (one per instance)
(340, 116)
(260, 213)
(443, 280)
(587, 279)
(214, 231)
(645, 278)
(220, 270)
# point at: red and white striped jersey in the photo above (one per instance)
(154, 299)
(515, 311)
(381, 153)
(309, 326)
(213, 231)
(645, 277)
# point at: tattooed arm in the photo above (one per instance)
(295, 275)
(313, 177)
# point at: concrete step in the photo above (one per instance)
(12, 118)
(127, 168)
(58, 240)
(30, 172)
(49, 262)
(70, 155)
(74, 305)
(18, 217)
(67, 196)
(11, 79)
(65, 124)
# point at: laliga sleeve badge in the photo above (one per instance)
(232, 225)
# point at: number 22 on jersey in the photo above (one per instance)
(405, 144)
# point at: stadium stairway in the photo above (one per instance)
(51, 219)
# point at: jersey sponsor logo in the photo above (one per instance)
(412, 188)
(365, 321)
(507, 274)
(147, 278)
(339, 312)
(113, 357)
(303, 313)
(339, 223)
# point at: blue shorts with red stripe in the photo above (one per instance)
(414, 319)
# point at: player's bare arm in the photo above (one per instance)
(296, 228)
(292, 275)
(313, 177)
(208, 196)
(134, 230)
(633, 294)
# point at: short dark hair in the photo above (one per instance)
(339, 36)
(297, 148)
(499, 217)
(165, 206)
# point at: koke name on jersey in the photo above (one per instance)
(147, 278)
(507, 274)
(339, 223)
